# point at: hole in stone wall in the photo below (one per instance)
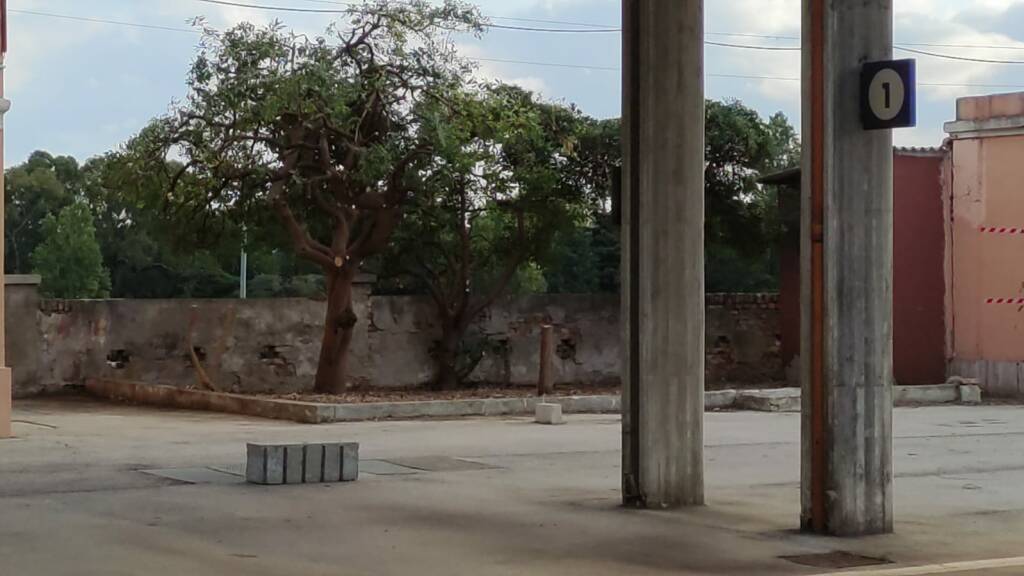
(270, 353)
(118, 359)
(200, 353)
(274, 356)
(566, 349)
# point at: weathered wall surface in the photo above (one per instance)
(272, 345)
(987, 267)
(919, 270)
(919, 286)
(23, 333)
(586, 335)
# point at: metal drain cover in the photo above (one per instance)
(836, 559)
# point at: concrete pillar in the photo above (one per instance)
(663, 253)
(846, 346)
(6, 383)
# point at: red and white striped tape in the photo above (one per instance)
(1002, 230)
(1010, 301)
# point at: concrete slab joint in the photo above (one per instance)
(274, 464)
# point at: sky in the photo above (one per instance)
(83, 88)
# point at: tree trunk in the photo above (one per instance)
(339, 325)
(447, 377)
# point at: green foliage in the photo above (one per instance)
(325, 137)
(273, 286)
(492, 200)
(585, 260)
(314, 136)
(42, 186)
(743, 225)
(69, 259)
(529, 279)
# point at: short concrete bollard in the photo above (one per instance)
(550, 414)
(301, 463)
(970, 394)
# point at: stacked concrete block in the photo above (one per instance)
(301, 463)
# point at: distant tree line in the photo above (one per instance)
(144, 256)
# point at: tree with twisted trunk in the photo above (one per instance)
(325, 136)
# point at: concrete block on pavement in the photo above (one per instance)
(275, 464)
(782, 400)
(550, 414)
(970, 394)
(332, 462)
(256, 464)
(294, 459)
(349, 462)
(313, 469)
(301, 463)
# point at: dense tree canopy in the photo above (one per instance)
(40, 187)
(742, 224)
(323, 136)
(69, 258)
(492, 200)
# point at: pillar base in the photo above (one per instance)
(5, 403)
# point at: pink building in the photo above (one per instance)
(985, 242)
(958, 278)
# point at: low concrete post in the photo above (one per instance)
(546, 377)
(550, 414)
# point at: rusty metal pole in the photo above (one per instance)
(546, 376)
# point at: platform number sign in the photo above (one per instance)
(888, 94)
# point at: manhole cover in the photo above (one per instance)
(836, 560)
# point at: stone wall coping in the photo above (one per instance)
(742, 299)
(999, 126)
(711, 299)
(22, 279)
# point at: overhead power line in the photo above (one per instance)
(103, 21)
(276, 8)
(960, 58)
(708, 42)
(493, 17)
(337, 11)
(749, 47)
(717, 75)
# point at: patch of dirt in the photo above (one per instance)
(421, 395)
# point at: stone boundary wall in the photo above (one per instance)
(272, 345)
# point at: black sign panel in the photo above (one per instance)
(888, 94)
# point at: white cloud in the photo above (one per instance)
(497, 71)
